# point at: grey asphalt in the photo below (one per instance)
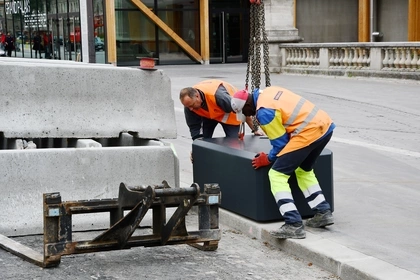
(376, 150)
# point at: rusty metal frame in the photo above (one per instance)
(58, 222)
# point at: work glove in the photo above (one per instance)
(260, 160)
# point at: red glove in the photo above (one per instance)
(260, 160)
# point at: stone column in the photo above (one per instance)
(280, 27)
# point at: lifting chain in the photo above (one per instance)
(257, 34)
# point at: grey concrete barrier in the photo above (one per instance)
(79, 129)
(80, 100)
(78, 174)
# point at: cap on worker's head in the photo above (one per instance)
(238, 102)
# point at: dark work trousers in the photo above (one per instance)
(304, 158)
(209, 125)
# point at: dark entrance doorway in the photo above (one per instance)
(229, 35)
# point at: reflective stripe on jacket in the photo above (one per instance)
(209, 88)
(290, 121)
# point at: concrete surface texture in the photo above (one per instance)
(51, 105)
(376, 171)
(47, 99)
(78, 174)
(238, 257)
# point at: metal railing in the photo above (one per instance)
(391, 60)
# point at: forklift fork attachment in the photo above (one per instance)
(138, 200)
(125, 227)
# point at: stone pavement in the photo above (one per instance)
(376, 171)
(238, 257)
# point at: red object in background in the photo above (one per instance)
(147, 63)
(98, 21)
(47, 39)
(75, 36)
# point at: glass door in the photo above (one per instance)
(217, 38)
(229, 37)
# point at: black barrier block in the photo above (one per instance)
(246, 191)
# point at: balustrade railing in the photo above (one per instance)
(352, 57)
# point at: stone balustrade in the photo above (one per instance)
(389, 60)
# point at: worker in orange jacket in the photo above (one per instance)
(207, 104)
(298, 132)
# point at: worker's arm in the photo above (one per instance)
(223, 97)
(194, 123)
(254, 129)
(274, 129)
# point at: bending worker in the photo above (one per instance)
(208, 104)
(298, 132)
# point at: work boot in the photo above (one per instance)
(290, 231)
(321, 219)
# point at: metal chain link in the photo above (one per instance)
(265, 46)
(257, 29)
(256, 62)
(251, 43)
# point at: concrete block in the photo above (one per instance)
(246, 191)
(80, 100)
(79, 129)
(78, 174)
(20, 144)
(87, 143)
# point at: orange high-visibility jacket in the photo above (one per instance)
(209, 88)
(297, 122)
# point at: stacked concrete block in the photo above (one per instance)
(78, 100)
(81, 130)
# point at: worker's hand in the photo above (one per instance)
(241, 133)
(260, 160)
(191, 155)
(258, 133)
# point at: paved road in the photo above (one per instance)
(238, 257)
(376, 148)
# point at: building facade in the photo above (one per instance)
(120, 32)
(56, 22)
